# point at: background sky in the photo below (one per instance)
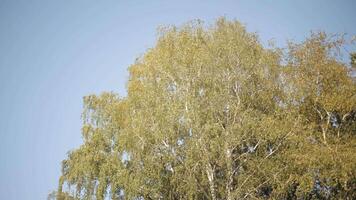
(52, 53)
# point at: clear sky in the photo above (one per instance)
(52, 53)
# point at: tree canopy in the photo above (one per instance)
(213, 114)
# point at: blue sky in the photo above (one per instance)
(52, 53)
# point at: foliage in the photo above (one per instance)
(212, 114)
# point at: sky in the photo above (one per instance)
(52, 53)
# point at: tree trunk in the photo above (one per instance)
(210, 174)
(325, 129)
(229, 174)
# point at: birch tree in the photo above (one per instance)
(213, 114)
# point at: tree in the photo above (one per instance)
(212, 114)
(321, 84)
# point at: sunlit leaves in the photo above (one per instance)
(212, 114)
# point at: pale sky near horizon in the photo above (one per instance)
(52, 53)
